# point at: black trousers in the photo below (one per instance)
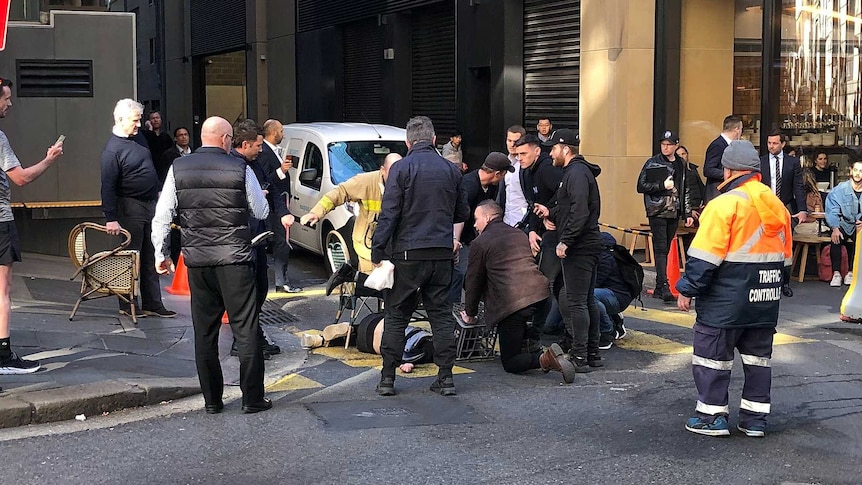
(579, 307)
(430, 280)
(663, 232)
(215, 289)
(510, 333)
(136, 216)
(835, 251)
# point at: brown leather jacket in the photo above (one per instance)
(502, 273)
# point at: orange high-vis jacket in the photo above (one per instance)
(736, 260)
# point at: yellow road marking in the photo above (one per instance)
(686, 320)
(293, 382)
(651, 343)
(272, 295)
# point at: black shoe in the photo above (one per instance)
(128, 312)
(160, 312)
(216, 408)
(606, 340)
(256, 408)
(786, 290)
(271, 348)
(386, 386)
(343, 274)
(595, 360)
(444, 386)
(581, 364)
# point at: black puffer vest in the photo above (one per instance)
(213, 209)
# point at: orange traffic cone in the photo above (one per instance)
(180, 284)
(673, 267)
(225, 319)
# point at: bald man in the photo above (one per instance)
(213, 193)
(367, 190)
(276, 163)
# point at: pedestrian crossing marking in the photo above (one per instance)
(636, 340)
(293, 382)
(272, 295)
(686, 320)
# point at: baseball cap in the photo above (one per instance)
(565, 136)
(498, 162)
(670, 136)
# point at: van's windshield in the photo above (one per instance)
(349, 158)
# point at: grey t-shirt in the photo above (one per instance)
(8, 161)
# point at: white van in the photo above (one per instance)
(325, 155)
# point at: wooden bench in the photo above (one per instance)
(801, 245)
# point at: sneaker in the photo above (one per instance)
(310, 341)
(581, 364)
(619, 326)
(386, 386)
(701, 426)
(160, 312)
(445, 386)
(128, 313)
(753, 430)
(606, 340)
(595, 360)
(848, 278)
(288, 289)
(836, 279)
(17, 365)
(553, 358)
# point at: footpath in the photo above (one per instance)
(101, 361)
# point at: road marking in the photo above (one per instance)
(272, 295)
(686, 320)
(636, 340)
(293, 382)
(355, 358)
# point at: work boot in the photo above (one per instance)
(343, 274)
(553, 358)
(445, 386)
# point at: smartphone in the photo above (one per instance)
(60, 140)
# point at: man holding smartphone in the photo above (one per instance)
(10, 252)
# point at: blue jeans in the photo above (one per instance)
(608, 305)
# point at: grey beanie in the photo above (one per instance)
(741, 155)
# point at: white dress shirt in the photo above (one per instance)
(775, 174)
(516, 203)
(277, 150)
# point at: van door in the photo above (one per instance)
(306, 194)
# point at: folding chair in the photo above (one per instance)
(353, 295)
(106, 273)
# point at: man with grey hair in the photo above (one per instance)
(734, 269)
(10, 251)
(130, 187)
(422, 201)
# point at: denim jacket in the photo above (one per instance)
(842, 208)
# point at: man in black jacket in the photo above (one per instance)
(731, 129)
(477, 186)
(783, 174)
(576, 216)
(213, 194)
(422, 202)
(662, 181)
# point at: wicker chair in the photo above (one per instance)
(105, 273)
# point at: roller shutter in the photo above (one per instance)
(217, 26)
(316, 14)
(433, 66)
(363, 71)
(552, 58)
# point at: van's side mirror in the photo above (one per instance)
(308, 175)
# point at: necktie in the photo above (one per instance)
(777, 176)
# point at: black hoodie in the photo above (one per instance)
(579, 206)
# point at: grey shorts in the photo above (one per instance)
(10, 248)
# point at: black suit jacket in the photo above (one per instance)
(712, 169)
(270, 163)
(792, 191)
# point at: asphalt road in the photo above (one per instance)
(621, 424)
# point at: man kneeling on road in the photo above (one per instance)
(502, 271)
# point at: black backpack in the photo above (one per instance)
(633, 273)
